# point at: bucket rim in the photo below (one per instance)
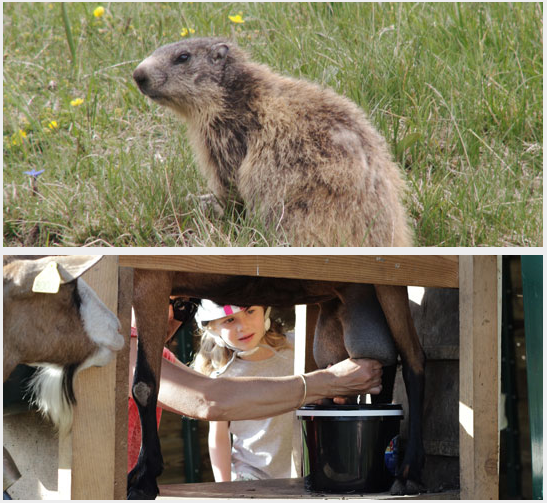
(364, 410)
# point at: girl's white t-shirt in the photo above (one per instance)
(261, 449)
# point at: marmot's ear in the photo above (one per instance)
(218, 52)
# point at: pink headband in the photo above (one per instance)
(228, 310)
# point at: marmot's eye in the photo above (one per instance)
(182, 58)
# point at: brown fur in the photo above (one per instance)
(45, 314)
(45, 328)
(305, 159)
(40, 327)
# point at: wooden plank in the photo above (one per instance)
(467, 450)
(419, 270)
(94, 427)
(487, 376)
(480, 325)
(273, 489)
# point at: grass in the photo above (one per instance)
(455, 88)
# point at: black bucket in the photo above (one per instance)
(349, 448)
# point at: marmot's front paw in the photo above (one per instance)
(208, 204)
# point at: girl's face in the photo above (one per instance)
(243, 330)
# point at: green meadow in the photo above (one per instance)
(455, 88)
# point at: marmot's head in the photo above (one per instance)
(188, 75)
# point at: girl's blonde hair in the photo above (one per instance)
(211, 356)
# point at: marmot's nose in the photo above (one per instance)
(141, 78)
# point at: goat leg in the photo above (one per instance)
(151, 304)
(395, 305)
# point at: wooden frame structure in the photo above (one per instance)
(93, 463)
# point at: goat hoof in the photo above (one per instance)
(138, 494)
(406, 487)
(141, 490)
(398, 488)
(413, 487)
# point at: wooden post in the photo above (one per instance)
(480, 330)
(89, 456)
(299, 368)
(125, 301)
(304, 330)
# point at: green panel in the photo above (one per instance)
(532, 286)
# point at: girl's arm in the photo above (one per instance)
(185, 391)
(220, 450)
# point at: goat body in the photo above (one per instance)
(355, 320)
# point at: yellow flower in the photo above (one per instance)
(236, 19)
(99, 11)
(77, 102)
(17, 138)
(53, 125)
(185, 31)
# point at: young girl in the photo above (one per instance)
(242, 341)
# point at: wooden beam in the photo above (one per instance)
(480, 335)
(419, 270)
(274, 489)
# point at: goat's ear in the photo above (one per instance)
(219, 52)
(19, 275)
(73, 266)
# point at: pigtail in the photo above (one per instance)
(210, 356)
(276, 338)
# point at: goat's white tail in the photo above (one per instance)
(52, 391)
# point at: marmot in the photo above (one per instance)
(306, 159)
